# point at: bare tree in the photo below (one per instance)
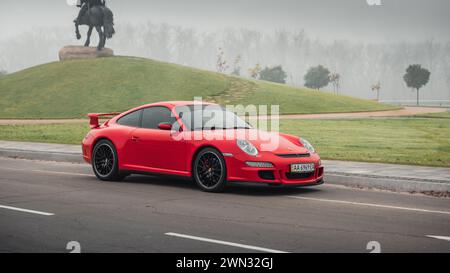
(185, 42)
(376, 88)
(432, 51)
(335, 79)
(221, 64)
(255, 71)
(237, 66)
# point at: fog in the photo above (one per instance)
(363, 43)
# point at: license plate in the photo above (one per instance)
(302, 168)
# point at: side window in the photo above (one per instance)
(132, 119)
(153, 116)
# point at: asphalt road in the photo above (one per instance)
(156, 214)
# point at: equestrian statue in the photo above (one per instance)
(95, 14)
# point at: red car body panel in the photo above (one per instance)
(156, 151)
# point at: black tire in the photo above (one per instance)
(105, 161)
(209, 170)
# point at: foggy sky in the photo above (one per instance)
(355, 20)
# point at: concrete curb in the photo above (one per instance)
(369, 181)
(397, 184)
(45, 156)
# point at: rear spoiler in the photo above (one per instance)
(93, 123)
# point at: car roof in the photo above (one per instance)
(168, 104)
(175, 103)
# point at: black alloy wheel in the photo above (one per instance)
(209, 170)
(104, 161)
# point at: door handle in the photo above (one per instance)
(134, 138)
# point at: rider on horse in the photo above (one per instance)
(95, 14)
(86, 5)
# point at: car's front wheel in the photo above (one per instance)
(105, 162)
(209, 170)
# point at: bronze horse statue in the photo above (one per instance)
(102, 19)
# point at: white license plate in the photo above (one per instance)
(302, 168)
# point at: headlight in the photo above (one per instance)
(247, 147)
(307, 145)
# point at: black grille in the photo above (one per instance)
(299, 175)
(266, 175)
(293, 155)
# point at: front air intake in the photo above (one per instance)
(266, 175)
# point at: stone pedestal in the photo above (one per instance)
(81, 52)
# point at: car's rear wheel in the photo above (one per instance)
(105, 162)
(209, 170)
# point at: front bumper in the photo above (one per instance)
(237, 170)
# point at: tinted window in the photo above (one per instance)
(153, 116)
(132, 119)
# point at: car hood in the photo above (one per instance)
(264, 141)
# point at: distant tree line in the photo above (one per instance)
(319, 76)
(248, 52)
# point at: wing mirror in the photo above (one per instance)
(165, 126)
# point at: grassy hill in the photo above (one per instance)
(71, 89)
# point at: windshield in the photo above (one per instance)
(209, 117)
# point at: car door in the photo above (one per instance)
(125, 145)
(155, 148)
(128, 124)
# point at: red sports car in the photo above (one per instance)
(199, 140)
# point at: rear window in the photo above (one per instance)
(132, 119)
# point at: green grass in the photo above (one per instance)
(71, 89)
(54, 133)
(74, 88)
(294, 100)
(435, 115)
(413, 141)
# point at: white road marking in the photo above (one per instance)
(45, 171)
(262, 249)
(27, 210)
(370, 205)
(445, 238)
